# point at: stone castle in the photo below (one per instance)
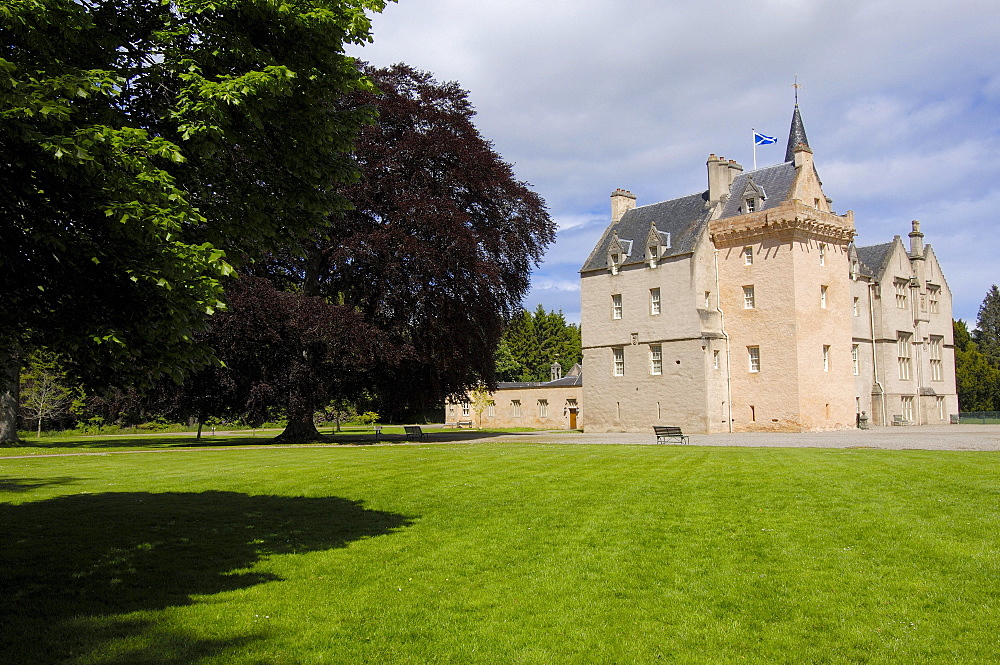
(748, 307)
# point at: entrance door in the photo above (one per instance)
(572, 418)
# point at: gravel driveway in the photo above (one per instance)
(927, 437)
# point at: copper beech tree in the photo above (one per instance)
(408, 293)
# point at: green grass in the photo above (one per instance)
(501, 553)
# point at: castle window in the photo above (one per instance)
(826, 358)
(903, 355)
(854, 359)
(615, 262)
(935, 353)
(749, 301)
(748, 256)
(543, 408)
(940, 407)
(822, 297)
(854, 270)
(751, 205)
(753, 355)
(708, 299)
(656, 360)
(715, 360)
(465, 409)
(616, 306)
(654, 254)
(619, 356)
(491, 409)
(933, 293)
(906, 407)
(857, 305)
(515, 405)
(654, 301)
(902, 286)
(822, 254)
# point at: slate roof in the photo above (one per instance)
(574, 377)
(682, 218)
(776, 181)
(873, 257)
(796, 135)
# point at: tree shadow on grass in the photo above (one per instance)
(28, 484)
(70, 565)
(99, 443)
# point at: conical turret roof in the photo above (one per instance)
(796, 135)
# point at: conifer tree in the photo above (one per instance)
(987, 333)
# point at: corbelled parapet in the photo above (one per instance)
(790, 220)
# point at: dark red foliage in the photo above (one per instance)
(425, 272)
(438, 252)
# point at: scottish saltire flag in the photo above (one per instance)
(762, 139)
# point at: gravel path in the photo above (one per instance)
(927, 437)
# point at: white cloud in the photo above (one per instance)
(901, 105)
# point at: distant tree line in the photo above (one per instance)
(535, 340)
(977, 358)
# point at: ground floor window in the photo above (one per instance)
(491, 409)
(515, 407)
(465, 409)
(940, 407)
(543, 408)
(907, 407)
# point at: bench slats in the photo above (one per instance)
(663, 433)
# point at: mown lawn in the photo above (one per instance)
(501, 553)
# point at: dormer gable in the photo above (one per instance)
(616, 254)
(752, 197)
(656, 243)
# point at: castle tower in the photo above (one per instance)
(783, 262)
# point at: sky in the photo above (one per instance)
(900, 101)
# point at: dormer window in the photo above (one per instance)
(753, 197)
(656, 242)
(614, 262)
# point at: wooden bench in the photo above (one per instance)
(464, 423)
(414, 432)
(664, 433)
(900, 420)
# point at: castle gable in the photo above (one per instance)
(678, 222)
(873, 259)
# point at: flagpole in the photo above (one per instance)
(753, 133)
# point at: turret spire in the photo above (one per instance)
(797, 133)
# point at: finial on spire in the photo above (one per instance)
(797, 132)
(796, 86)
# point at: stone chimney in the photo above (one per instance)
(734, 170)
(916, 242)
(622, 201)
(803, 156)
(718, 178)
(721, 174)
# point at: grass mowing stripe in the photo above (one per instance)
(503, 553)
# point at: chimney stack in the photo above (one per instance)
(622, 201)
(916, 241)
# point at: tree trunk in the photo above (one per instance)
(10, 393)
(301, 432)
